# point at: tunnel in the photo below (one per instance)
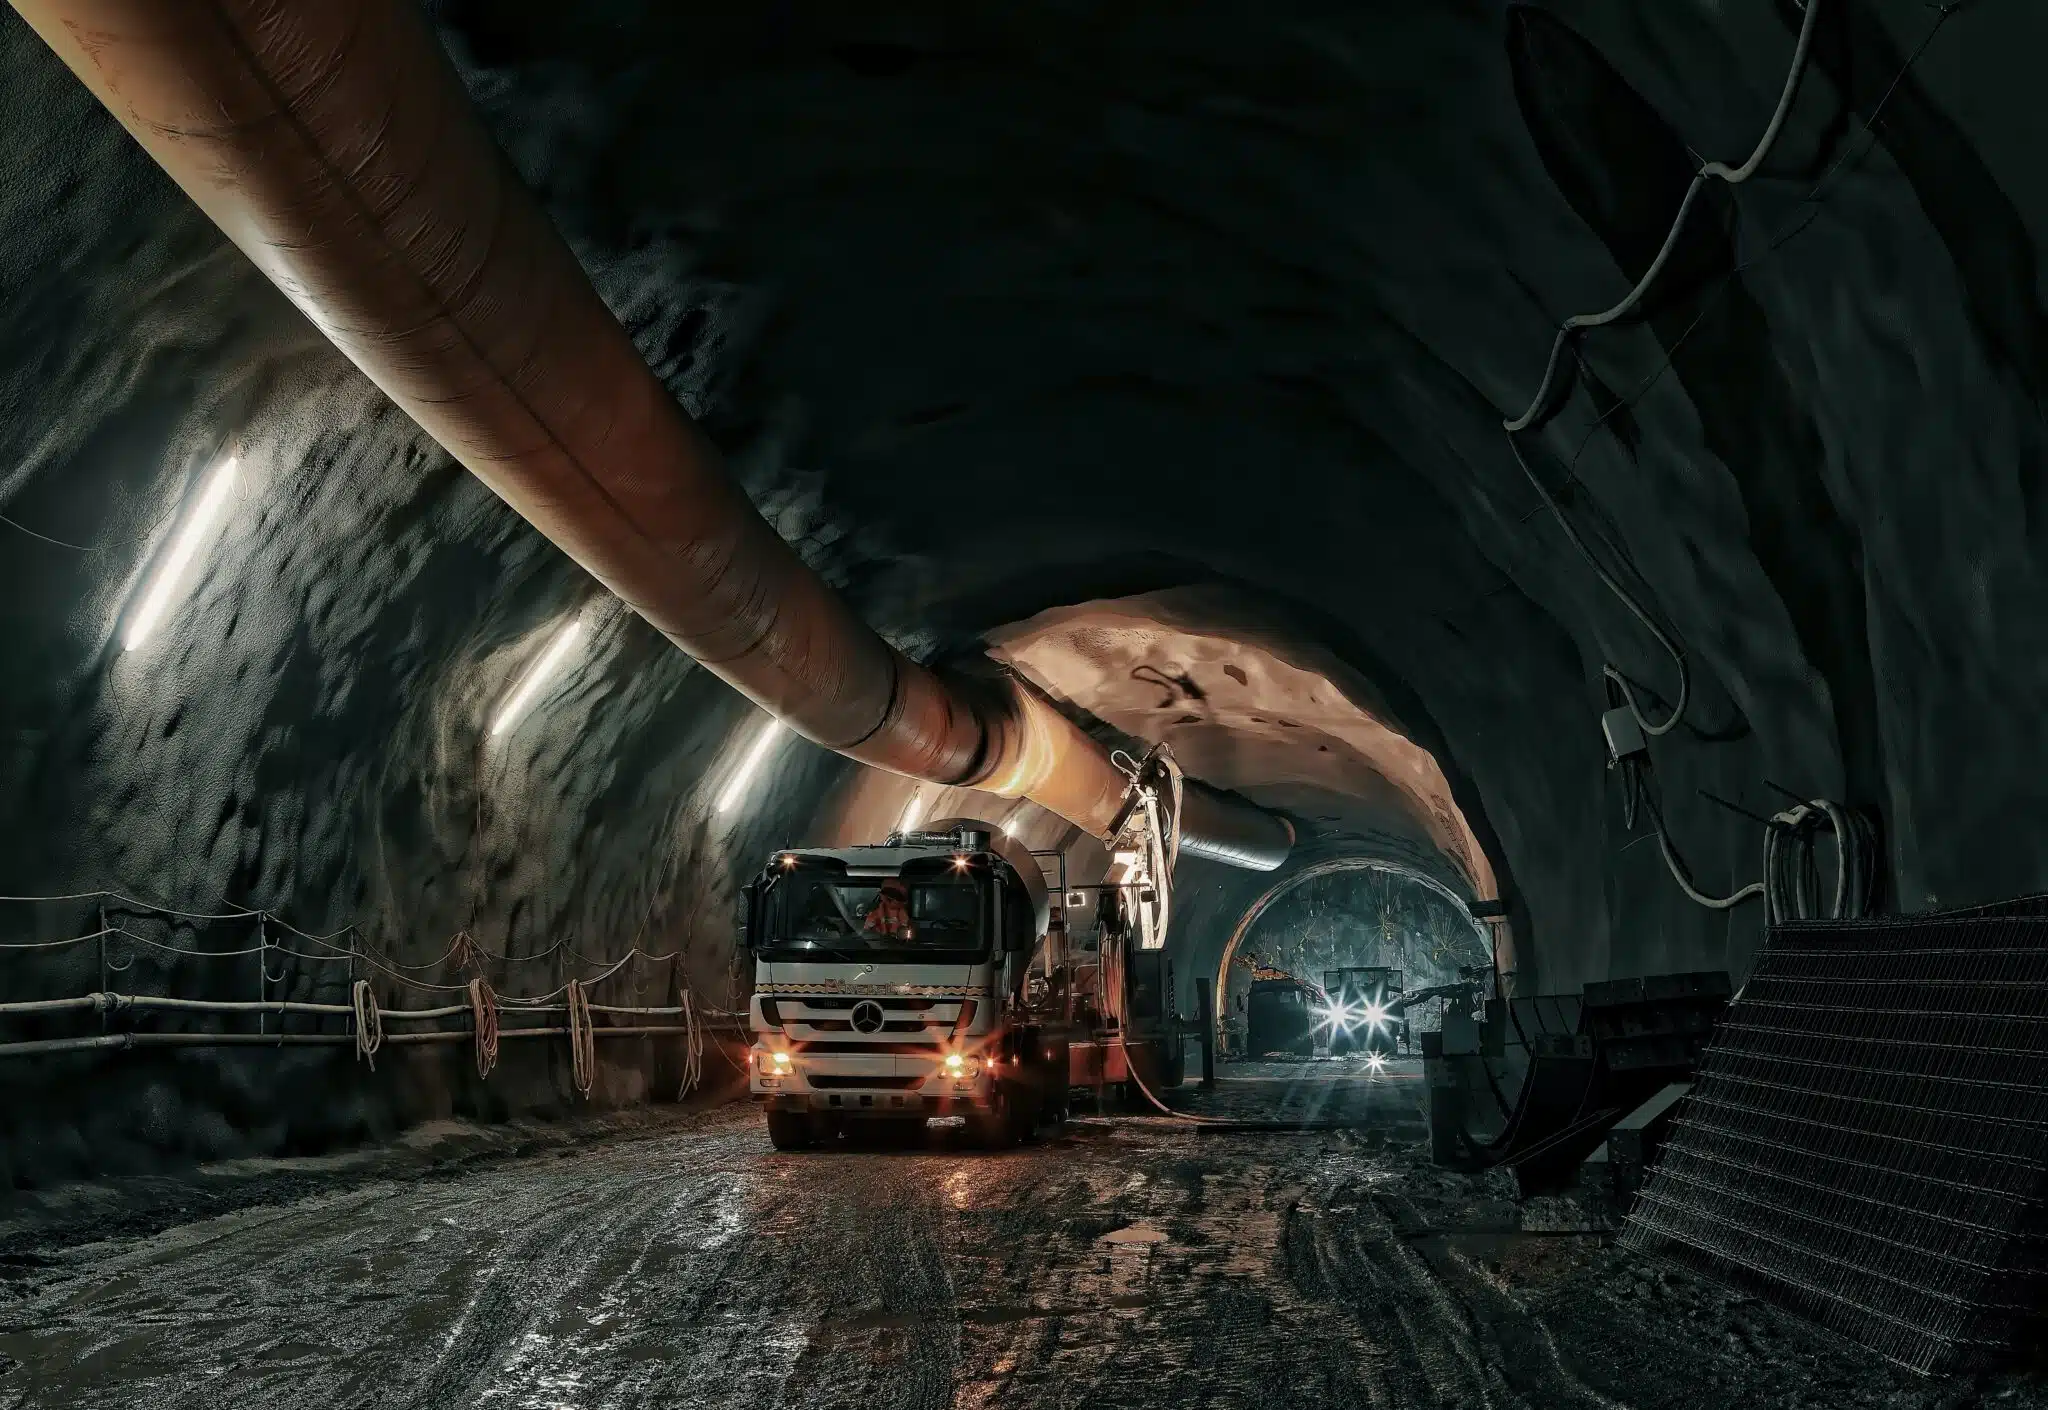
(676, 673)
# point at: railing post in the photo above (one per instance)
(262, 975)
(106, 977)
(1205, 1003)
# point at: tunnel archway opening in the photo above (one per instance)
(1317, 941)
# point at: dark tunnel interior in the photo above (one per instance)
(1151, 365)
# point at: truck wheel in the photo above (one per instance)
(996, 1128)
(791, 1131)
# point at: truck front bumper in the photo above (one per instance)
(884, 1085)
(859, 1105)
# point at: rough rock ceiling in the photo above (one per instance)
(1242, 718)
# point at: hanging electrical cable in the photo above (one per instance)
(1681, 873)
(1734, 176)
(1628, 600)
(1710, 171)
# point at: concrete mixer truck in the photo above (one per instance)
(890, 987)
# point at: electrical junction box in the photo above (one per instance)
(1624, 736)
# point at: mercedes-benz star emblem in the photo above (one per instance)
(867, 1016)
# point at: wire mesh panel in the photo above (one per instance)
(1867, 1141)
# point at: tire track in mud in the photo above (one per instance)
(1125, 1264)
(392, 1294)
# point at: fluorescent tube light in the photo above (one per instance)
(550, 661)
(198, 529)
(737, 788)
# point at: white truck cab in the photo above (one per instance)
(889, 986)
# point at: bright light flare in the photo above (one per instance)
(550, 661)
(737, 788)
(198, 529)
(1376, 1015)
(1375, 1062)
(1338, 1018)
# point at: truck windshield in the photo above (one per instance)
(821, 914)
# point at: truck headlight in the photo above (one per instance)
(781, 1061)
(958, 1065)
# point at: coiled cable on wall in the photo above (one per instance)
(483, 1017)
(368, 1020)
(1792, 872)
(1734, 176)
(1791, 886)
(582, 1046)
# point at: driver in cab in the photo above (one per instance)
(890, 916)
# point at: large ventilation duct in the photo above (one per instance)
(333, 142)
(1224, 828)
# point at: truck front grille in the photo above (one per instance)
(879, 1083)
(900, 1002)
(841, 1025)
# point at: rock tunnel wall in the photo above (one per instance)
(999, 310)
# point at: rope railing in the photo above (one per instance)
(462, 947)
(483, 1006)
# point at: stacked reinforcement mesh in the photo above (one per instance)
(1867, 1142)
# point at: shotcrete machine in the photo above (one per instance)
(933, 975)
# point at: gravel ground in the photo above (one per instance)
(1128, 1262)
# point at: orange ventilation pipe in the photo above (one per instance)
(332, 140)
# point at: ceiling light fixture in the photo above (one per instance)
(199, 526)
(763, 742)
(550, 661)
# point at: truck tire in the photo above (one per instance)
(1173, 1059)
(996, 1128)
(791, 1131)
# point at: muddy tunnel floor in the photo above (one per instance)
(1127, 1262)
